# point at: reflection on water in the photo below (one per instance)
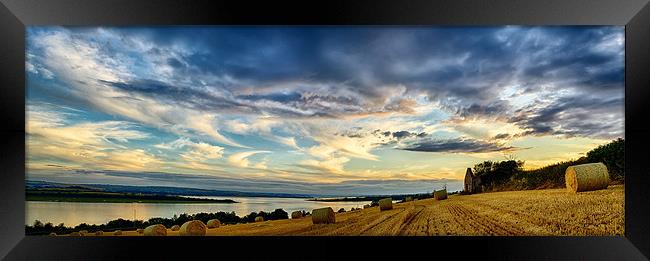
(74, 213)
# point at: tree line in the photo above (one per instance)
(510, 175)
(38, 228)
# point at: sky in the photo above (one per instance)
(315, 110)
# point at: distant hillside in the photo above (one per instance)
(159, 190)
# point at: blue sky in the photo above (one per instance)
(317, 110)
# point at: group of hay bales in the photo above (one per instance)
(578, 178)
(189, 228)
(586, 177)
(327, 215)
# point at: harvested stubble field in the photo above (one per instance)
(513, 213)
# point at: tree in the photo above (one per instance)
(38, 224)
(613, 156)
(496, 173)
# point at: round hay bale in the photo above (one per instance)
(440, 194)
(366, 206)
(75, 234)
(52, 234)
(83, 232)
(214, 223)
(296, 214)
(386, 204)
(175, 227)
(323, 216)
(259, 219)
(341, 210)
(117, 233)
(140, 231)
(155, 230)
(586, 177)
(193, 228)
(99, 233)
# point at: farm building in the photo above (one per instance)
(472, 182)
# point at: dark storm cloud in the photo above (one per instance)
(574, 116)
(455, 146)
(334, 72)
(573, 59)
(403, 134)
(388, 137)
(495, 109)
(192, 97)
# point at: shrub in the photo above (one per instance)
(613, 156)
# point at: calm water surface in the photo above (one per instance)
(74, 213)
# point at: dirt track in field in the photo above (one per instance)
(514, 213)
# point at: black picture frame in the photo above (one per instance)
(635, 15)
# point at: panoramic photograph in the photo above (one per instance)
(325, 131)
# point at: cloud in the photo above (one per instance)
(90, 70)
(357, 148)
(52, 138)
(403, 134)
(289, 141)
(329, 165)
(320, 72)
(241, 159)
(573, 116)
(459, 145)
(193, 152)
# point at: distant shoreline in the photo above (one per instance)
(99, 197)
(344, 199)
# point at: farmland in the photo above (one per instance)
(511, 213)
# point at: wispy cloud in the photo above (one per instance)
(52, 138)
(241, 159)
